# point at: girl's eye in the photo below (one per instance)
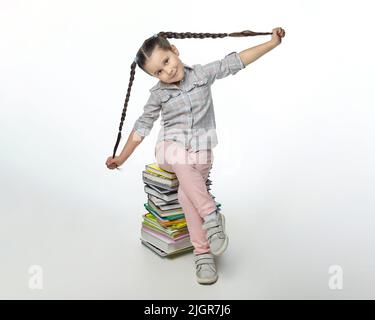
(165, 62)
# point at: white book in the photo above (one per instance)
(161, 180)
(164, 243)
(164, 205)
(163, 190)
(158, 184)
(170, 206)
(161, 252)
(167, 197)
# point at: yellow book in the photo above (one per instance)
(173, 224)
(154, 168)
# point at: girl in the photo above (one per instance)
(187, 135)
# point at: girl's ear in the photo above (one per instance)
(175, 50)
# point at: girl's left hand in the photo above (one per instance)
(277, 34)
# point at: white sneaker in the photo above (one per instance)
(215, 234)
(205, 268)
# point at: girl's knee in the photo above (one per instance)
(166, 167)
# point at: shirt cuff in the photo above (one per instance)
(237, 55)
(142, 131)
(234, 61)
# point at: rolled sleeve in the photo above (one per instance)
(151, 112)
(219, 69)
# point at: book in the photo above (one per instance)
(154, 168)
(163, 242)
(163, 190)
(165, 213)
(158, 184)
(166, 222)
(170, 231)
(164, 196)
(169, 206)
(161, 252)
(169, 217)
(164, 205)
(179, 224)
(159, 201)
(174, 235)
(160, 180)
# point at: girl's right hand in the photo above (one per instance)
(113, 163)
(277, 34)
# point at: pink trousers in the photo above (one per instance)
(192, 169)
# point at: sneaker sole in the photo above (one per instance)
(225, 244)
(207, 281)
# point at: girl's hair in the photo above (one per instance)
(160, 40)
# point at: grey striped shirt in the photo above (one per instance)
(187, 111)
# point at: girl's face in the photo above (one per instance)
(165, 65)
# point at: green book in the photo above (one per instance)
(172, 217)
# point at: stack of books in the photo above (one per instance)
(164, 229)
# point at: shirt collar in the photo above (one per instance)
(162, 85)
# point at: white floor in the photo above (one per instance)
(282, 243)
(294, 168)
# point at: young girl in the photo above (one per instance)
(187, 135)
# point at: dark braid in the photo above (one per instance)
(132, 73)
(185, 35)
(161, 41)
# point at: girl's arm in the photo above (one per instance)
(250, 55)
(133, 141)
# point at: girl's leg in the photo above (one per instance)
(193, 218)
(194, 224)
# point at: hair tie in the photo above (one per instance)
(135, 59)
(155, 35)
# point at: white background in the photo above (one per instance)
(294, 168)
